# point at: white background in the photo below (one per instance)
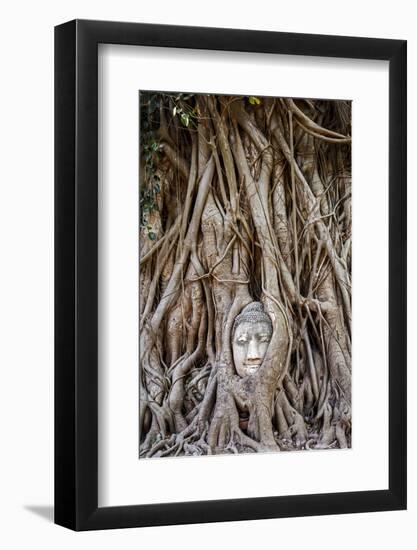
(123, 479)
(26, 400)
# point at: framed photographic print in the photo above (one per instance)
(230, 275)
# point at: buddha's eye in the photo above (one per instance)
(264, 338)
(242, 341)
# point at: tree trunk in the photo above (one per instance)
(244, 200)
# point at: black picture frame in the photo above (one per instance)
(76, 271)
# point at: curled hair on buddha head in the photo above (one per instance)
(252, 313)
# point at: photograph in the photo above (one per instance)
(209, 275)
(245, 256)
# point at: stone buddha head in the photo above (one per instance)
(251, 334)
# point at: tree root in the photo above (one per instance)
(244, 199)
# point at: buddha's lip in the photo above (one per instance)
(254, 364)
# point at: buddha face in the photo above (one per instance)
(250, 342)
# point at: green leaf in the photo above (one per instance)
(254, 100)
(185, 119)
(152, 235)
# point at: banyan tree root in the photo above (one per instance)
(244, 200)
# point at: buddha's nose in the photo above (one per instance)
(253, 351)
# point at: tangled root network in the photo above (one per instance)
(244, 199)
